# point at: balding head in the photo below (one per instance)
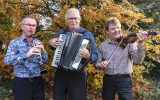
(73, 19)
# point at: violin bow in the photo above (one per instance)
(120, 41)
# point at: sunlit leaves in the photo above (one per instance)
(93, 13)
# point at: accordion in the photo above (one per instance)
(67, 54)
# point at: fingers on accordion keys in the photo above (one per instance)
(55, 42)
(60, 42)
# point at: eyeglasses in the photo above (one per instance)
(30, 25)
(74, 18)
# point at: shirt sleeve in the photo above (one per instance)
(13, 56)
(94, 53)
(137, 53)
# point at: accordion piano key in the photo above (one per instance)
(58, 51)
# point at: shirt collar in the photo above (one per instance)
(22, 38)
(111, 42)
(78, 30)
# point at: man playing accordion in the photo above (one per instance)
(69, 82)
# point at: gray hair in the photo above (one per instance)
(25, 17)
(70, 10)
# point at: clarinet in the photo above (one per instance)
(34, 44)
(44, 71)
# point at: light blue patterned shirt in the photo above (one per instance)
(24, 67)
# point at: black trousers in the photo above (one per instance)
(69, 85)
(28, 88)
(121, 84)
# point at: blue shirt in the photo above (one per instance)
(24, 67)
(94, 53)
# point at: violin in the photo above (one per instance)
(132, 38)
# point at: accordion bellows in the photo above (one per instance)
(67, 54)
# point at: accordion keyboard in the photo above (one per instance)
(58, 51)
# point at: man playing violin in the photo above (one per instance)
(117, 62)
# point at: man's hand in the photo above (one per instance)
(84, 53)
(33, 51)
(142, 35)
(39, 46)
(55, 42)
(103, 64)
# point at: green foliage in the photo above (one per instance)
(6, 90)
(151, 9)
(94, 13)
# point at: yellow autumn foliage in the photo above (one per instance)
(94, 13)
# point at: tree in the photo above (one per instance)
(94, 13)
(151, 9)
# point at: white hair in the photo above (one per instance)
(71, 10)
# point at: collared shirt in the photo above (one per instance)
(123, 59)
(94, 54)
(24, 67)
